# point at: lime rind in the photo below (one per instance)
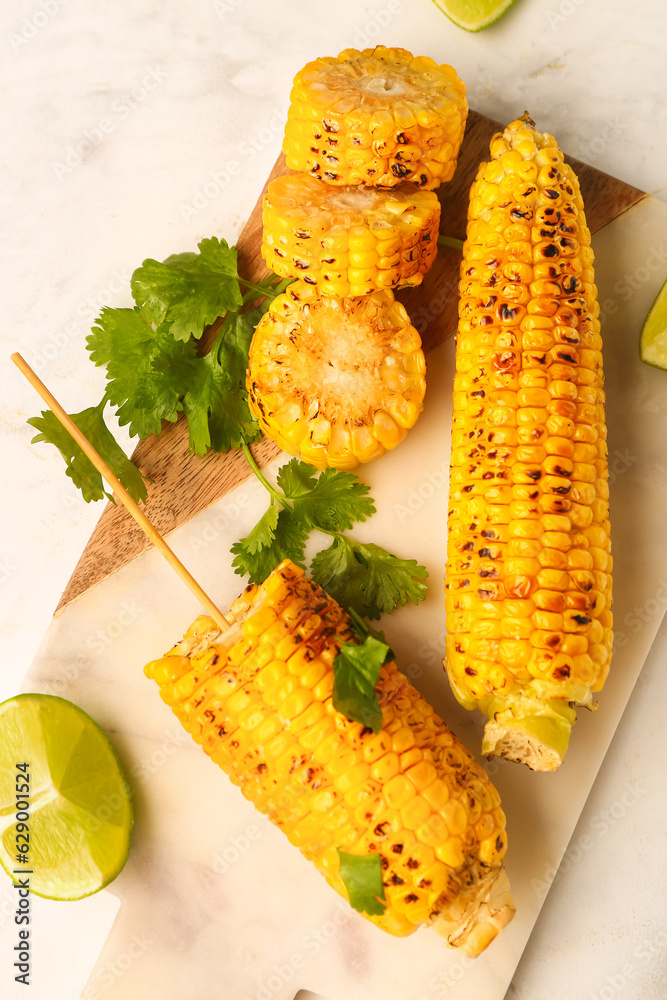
(81, 812)
(474, 15)
(653, 338)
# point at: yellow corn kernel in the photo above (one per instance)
(451, 852)
(415, 813)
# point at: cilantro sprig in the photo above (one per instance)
(363, 577)
(155, 367)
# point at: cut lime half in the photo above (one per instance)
(653, 339)
(473, 15)
(65, 805)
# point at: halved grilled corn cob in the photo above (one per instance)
(258, 700)
(528, 589)
(338, 381)
(349, 241)
(377, 117)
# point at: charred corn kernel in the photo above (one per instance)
(336, 380)
(405, 793)
(376, 117)
(528, 328)
(350, 240)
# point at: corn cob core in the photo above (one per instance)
(258, 700)
(338, 381)
(350, 240)
(376, 117)
(528, 589)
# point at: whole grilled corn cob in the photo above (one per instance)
(338, 381)
(528, 588)
(376, 117)
(258, 700)
(349, 241)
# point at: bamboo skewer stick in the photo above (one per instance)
(104, 470)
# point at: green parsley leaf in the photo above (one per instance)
(231, 422)
(356, 670)
(333, 501)
(277, 535)
(80, 469)
(189, 290)
(362, 877)
(367, 577)
(146, 368)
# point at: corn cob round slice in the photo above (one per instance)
(349, 241)
(338, 381)
(376, 117)
(528, 588)
(258, 699)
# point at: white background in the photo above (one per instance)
(133, 130)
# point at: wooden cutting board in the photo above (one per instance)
(183, 485)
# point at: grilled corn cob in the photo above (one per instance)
(349, 241)
(338, 381)
(376, 117)
(258, 700)
(528, 588)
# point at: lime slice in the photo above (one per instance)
(473, 15)
(65, 805)
(653, 340)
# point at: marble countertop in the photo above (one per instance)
(134, 130)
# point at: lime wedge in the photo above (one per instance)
(65, 805)
(473, 15)
(653, 339)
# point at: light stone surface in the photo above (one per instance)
(134, 130)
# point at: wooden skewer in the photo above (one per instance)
(120, 490)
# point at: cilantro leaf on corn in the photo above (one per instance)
(361, 629)
(362, 876)
(356, 671)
